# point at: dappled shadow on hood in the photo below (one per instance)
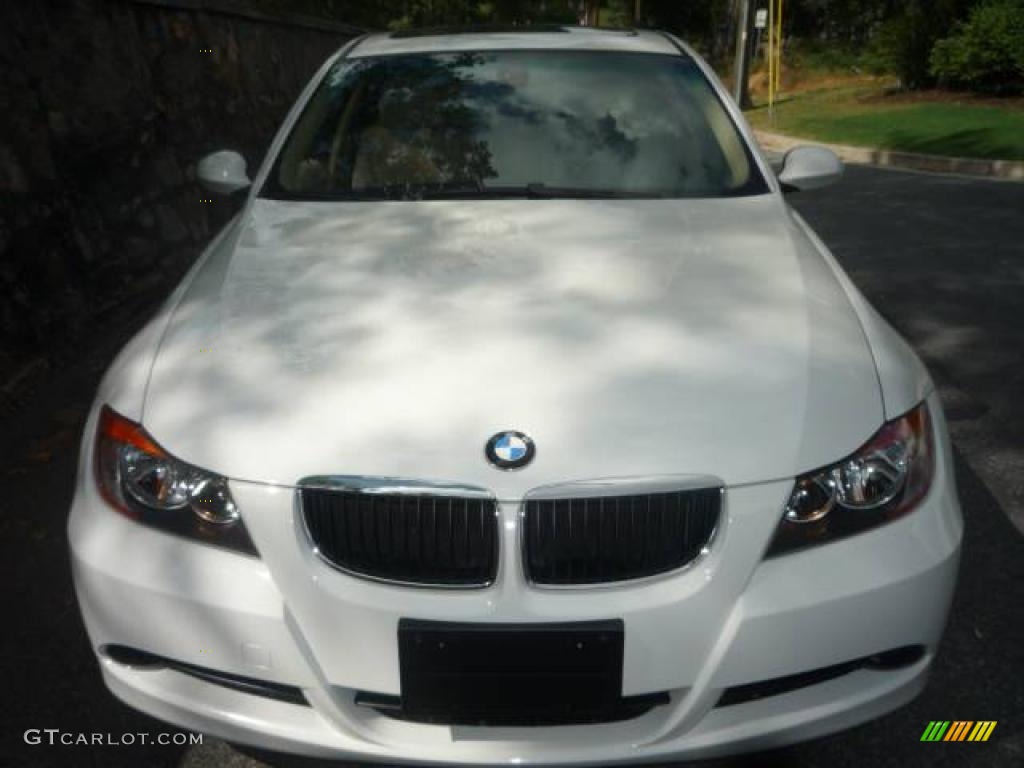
(394, 338)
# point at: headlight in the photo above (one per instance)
(141, 480)
(883, 480)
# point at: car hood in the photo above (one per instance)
(627, 338)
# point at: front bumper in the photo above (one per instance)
(731, 620)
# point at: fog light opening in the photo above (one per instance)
(132, 657)
(897, 657)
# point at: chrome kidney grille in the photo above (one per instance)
(425, 539)
(423, 534)
(593, 540)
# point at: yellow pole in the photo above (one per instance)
(778, 51)
(771, 56)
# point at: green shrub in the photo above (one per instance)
(903, 42)
(897, 48)
(986, 53)
(817, 55)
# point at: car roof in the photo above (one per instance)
(516, 38)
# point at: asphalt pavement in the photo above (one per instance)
(941, 257)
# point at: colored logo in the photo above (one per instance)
(510, 450)
(959, 730)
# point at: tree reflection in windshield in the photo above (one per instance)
(513, 123)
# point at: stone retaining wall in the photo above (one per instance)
(106, 105)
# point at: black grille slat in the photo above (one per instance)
(410, 538)
(616, 538)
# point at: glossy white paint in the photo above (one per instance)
(395, 339)
(806, 168)
(568, 38)
(223, 172)
(904, 380)
(640, 342)
(732, 620)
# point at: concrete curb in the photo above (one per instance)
(1011, 170)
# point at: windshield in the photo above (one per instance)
(532, 123)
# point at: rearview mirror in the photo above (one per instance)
(223, 172)
(809, 168)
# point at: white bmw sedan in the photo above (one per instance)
(516, 419)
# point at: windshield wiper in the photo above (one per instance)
(535, 190)
(541, 190)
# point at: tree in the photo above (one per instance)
(987, 51)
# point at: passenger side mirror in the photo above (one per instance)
(809, 168)
(223, 172)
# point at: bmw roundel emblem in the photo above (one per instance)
(510, 450)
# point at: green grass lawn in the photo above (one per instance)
(863, 116)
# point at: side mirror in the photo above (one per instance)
(809, 168)
(223, 172)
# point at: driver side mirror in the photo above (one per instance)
(223, 172)
(806, 168)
